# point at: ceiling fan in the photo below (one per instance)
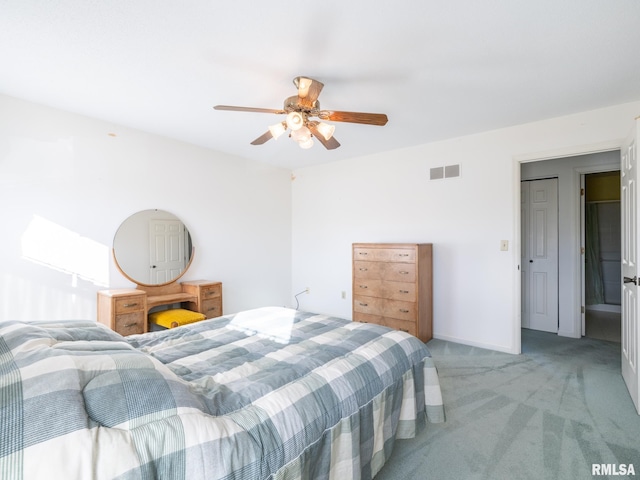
(305, 119)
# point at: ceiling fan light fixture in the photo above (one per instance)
(301, 135)
(306, 144)
(277, 129)
(295, 120)
(326, 130)
(303, 84)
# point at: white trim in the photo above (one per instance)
(486, 346)
(605, 307)
(570, 151)
(535, 157)
(516, 338)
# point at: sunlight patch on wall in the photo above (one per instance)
(49, 244)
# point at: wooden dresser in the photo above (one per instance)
(393, 286)
(126, 310)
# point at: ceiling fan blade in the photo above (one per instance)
(266, 136)
(308, 91)
(354, 117)
(248, 109)
(328, 144)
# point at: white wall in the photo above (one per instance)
(568, 171)
(66, 169)
(388, 198)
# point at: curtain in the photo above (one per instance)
(593, 274)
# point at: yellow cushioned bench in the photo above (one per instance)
(175, 317)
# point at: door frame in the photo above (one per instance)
(581, 172)
(517, 178)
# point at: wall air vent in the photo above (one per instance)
(451, 171)
(448, 171)
(437, 173)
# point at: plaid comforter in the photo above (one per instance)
(268, 393)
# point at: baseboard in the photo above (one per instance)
(605, 307)
(486, 346)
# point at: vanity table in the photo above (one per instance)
(153, 249)
(126, 310)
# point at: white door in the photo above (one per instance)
(540, 254)
(166, 250)
(629, 212)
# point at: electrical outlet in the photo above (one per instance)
(504, 245)
(344, 295)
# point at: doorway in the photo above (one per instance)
(569, 171)
(601, 227)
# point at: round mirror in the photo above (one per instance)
(152, 247)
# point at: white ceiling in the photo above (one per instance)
(438, 69)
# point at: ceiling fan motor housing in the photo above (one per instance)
(292, 104)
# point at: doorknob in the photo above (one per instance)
(633, 280)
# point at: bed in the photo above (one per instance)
(270, 393)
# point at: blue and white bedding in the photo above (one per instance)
(265, 394)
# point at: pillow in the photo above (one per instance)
(175, 317)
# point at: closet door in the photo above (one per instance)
(539, 263)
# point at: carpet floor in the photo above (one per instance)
(549, 413)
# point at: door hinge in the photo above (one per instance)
(581, 250)
(582, 192)
(582, 309)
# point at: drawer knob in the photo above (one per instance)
(404, 273)
(404, 311)
(129, 305)
(364, 304)
(363, 253)
(129, 325)
(404, 330)
(363, 286)
(363, 269)
(403, 291)
(404, 254)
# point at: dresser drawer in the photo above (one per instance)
(396, 272)
(133, 303)
(387, 308)
(403, 325)
(130, 323)
(381, 288)
(400, 310)
(370, 305)
(211, 291)
(404, 255)
(212, 308)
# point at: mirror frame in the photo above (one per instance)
(147, 284)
